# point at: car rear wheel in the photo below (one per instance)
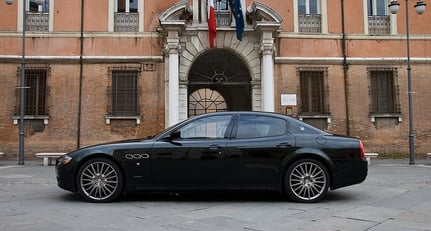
(306, 180)
(100, 180)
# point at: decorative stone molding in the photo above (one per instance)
(261, 12)
(185, 41)
(179, 11)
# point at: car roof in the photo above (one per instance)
(247, 112)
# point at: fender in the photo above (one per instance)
(310, 153)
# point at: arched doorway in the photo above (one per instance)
(219, 80)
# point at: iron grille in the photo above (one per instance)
(126, 22)
(36, 93)
(206, 100)
(124, 93)
(378, 24)
(37, 21)
(310, 23)
(384, 92)
(313, 91)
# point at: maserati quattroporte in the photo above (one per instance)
(219, 151)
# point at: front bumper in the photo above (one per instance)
(65, 175)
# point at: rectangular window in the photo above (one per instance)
(312, 90)
(37, 16)
(308, 6)
(124, 93)
(378, 18)
(222, 13)
(377, 7)
(127, 6)
(35, 93)
(383, 91)
(309, 17)
(126, 16)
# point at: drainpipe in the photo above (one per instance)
(345, 68)
(78, 140)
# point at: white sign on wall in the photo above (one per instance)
(288, 99)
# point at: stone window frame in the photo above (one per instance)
(127, 68)
(127, 21)
(396, 107)
(326, 113)
(45, 117)
(321, 18)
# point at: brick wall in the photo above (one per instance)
(385, 135)
(60, 134)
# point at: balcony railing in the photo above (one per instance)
(36, 21)
(126, 22)
(310, 23)
(223, 18)
(378, 25)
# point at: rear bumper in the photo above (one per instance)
(349, 172)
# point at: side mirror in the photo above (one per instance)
(175, 135)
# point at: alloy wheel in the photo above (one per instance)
(307, 181)
(100, 181)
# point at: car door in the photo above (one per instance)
(261, 142)
(193, 156)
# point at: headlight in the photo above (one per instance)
(63, 160)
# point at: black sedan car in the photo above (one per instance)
(219, 151)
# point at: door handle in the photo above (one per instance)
(284, 145)
(214, 147)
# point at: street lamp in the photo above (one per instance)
(22, 81)
(420, 8)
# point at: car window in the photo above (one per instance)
(209, 127)
(250, 126)
(299, 127)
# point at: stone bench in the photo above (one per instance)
(48, 157)
(369, 155)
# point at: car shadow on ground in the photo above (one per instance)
(332, 196)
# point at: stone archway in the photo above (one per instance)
(186, 39)
(222, 75)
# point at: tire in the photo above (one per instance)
(100, 180)
(306, 180)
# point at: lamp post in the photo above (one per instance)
(22, 81)
(420, 8)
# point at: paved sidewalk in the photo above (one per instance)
(396, 196)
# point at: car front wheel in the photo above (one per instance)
(100, 180)
(306, 180)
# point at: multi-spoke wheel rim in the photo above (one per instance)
(99, 180)
(307, 181)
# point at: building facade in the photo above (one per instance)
(103, 70)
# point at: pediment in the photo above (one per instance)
(262, 13)
(256, 12)
(178, 11)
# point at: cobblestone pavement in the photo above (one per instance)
(395, 196)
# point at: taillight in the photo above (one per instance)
(361, 149)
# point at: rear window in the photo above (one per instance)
(299, 127)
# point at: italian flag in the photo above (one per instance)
(212, 27)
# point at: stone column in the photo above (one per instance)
(267, 65)
(173, 78)
(195, 8)
(172, 51)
